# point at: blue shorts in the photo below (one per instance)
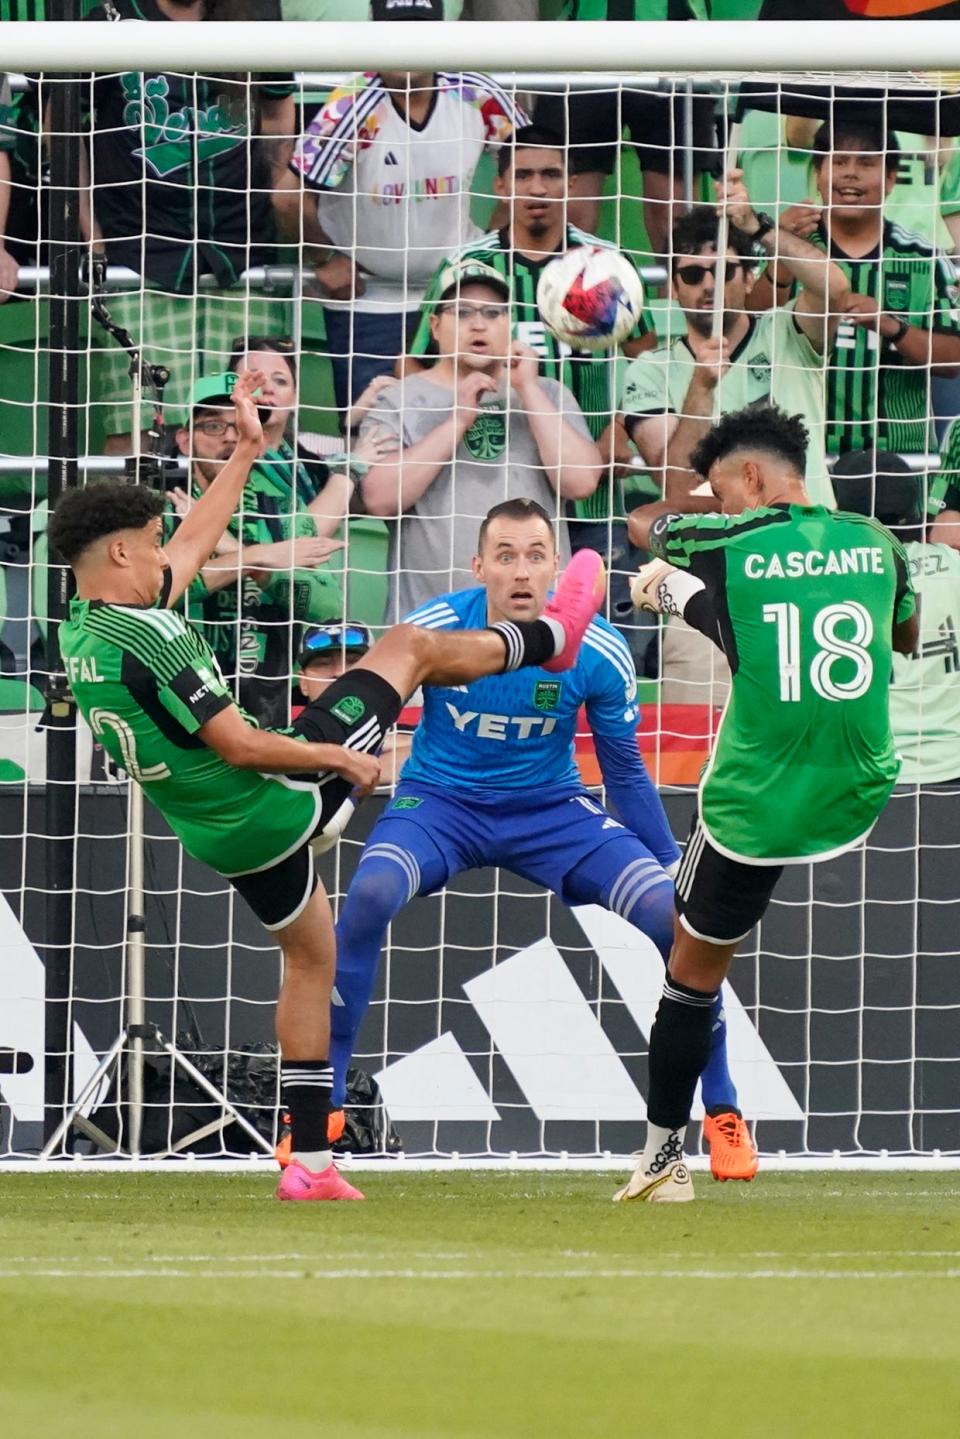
(541, 837)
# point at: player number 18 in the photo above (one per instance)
(830, 649)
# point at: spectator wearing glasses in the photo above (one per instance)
(268, 569)
(480, 427)
(672, 395)
(327, 652)
(379, 192)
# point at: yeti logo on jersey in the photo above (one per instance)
(486, 438)
(349, 709)
(546, 695)
(407, 801)
(500, 727)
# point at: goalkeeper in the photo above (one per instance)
(492, 781)
(249, 801)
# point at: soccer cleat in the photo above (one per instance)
(648, 590)
(733, 1154)
(672, 1186)
(336, 1120)
(578, 596)
(299, 1183)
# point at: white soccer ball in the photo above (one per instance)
(590, 298)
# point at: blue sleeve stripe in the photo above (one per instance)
(614, 649)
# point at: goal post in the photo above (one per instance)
(503, 1024)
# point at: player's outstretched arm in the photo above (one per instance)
(197, 537)
(245, 747)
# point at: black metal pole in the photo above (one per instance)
(65, 249)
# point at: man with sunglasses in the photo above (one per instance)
(479, 427)
(249, 802)
(238, 600)
(672, 395)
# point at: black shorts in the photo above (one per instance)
(355, 711)
(592, 122)
(717, 898)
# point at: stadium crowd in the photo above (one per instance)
(410, 380)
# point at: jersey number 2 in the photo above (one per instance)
(830, 648)
(101, 720)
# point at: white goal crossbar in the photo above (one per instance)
(734, 47)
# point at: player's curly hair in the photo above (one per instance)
(758, 427)
(698, 228)
(83, 516)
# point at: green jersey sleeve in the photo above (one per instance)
(905, 599)
(194, 694)
(943, 492)
(946, 297)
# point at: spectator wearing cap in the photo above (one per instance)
(268, 569)
(327, 652)
(182, 168)
(379, 190)
(900, 323)
(480, 427)
(925, 689)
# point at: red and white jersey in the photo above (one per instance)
(396, 194)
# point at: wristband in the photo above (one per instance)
(901, 331)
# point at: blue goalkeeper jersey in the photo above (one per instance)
(516, 731)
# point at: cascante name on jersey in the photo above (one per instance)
(502, 727)
(797, 564)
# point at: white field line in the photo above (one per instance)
(484, 1275)
(372, 1256)
(934, 1163)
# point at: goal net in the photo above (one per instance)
(298, 220)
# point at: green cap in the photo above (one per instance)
(464, 272)
(214, 390)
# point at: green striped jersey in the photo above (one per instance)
(875, 399)
(803, 601)
(146, 682)
(925, 696)
(589, 376)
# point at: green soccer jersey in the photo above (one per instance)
(590, 376)
(925, 696)
(773, 362)
(146, 682)
(803, 602)
(636, 10)
(875, 399)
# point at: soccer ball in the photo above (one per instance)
(590, 298)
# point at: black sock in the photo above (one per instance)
(528, 642)
(305, 1086)
(679, 1050)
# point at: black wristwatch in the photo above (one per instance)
(765, 223)
(903, 328)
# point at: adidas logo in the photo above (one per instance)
(390, 158)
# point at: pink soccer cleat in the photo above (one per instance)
(578, 596)
(299, 1183)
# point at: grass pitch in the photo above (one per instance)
(506, 1304)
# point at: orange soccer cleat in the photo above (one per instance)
(733, 1154)
(335, 1125)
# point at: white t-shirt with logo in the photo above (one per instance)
(394, 194)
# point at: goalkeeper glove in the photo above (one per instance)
(663, 589)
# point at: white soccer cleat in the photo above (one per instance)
(649, 590)
(673, 1185)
